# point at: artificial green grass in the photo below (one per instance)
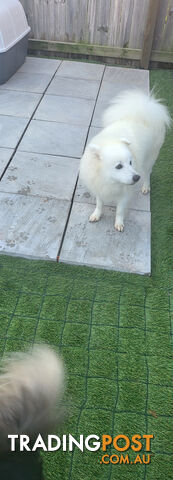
(114, 332)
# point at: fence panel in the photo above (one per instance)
(119, 23)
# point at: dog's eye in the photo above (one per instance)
(119, 166)
(130, 162)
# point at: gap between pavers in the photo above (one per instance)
(5, 155)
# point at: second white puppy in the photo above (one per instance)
(127, 148)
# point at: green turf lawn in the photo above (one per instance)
(114, 333)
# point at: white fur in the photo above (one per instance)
(134, 131)
(31, 384)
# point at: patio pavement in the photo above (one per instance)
(48, 111)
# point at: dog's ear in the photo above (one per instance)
(95, 149)
(125, 140)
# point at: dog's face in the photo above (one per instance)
(116, 162)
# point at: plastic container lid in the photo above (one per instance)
(13, 24)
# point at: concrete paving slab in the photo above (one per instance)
(138, 200)
(41, 175)
(54, 139)
(40, 65)
(100, 245)
(27, 82)
(75, 111)
(5, 155)
(109, 90)
(11, 129)
(74, 87)
(18, 104)
(88, 71)
(31, 227)
(130, 76)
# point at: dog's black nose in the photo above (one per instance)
(136, 178)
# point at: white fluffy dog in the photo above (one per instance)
(127, 148)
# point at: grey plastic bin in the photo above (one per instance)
(14, 32)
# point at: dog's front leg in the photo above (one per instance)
(119, 219)
(146, 182)
(95, 216)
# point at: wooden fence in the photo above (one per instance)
(113, 27)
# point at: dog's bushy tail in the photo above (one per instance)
(138, 105)
(31, 384)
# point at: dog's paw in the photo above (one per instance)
(145, 190)
(119, 227)
(94, 217)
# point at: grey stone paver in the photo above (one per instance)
(54, 138)
(31, 226)
(74, 87)
(88, 71)
(27, 82)
(38, 186)
(109, 90)
(131, 76)
(41, 175)
(11, 129)
(74, 111)
(5, 154)
(100, 245)
(18, 104)
(40, 65)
